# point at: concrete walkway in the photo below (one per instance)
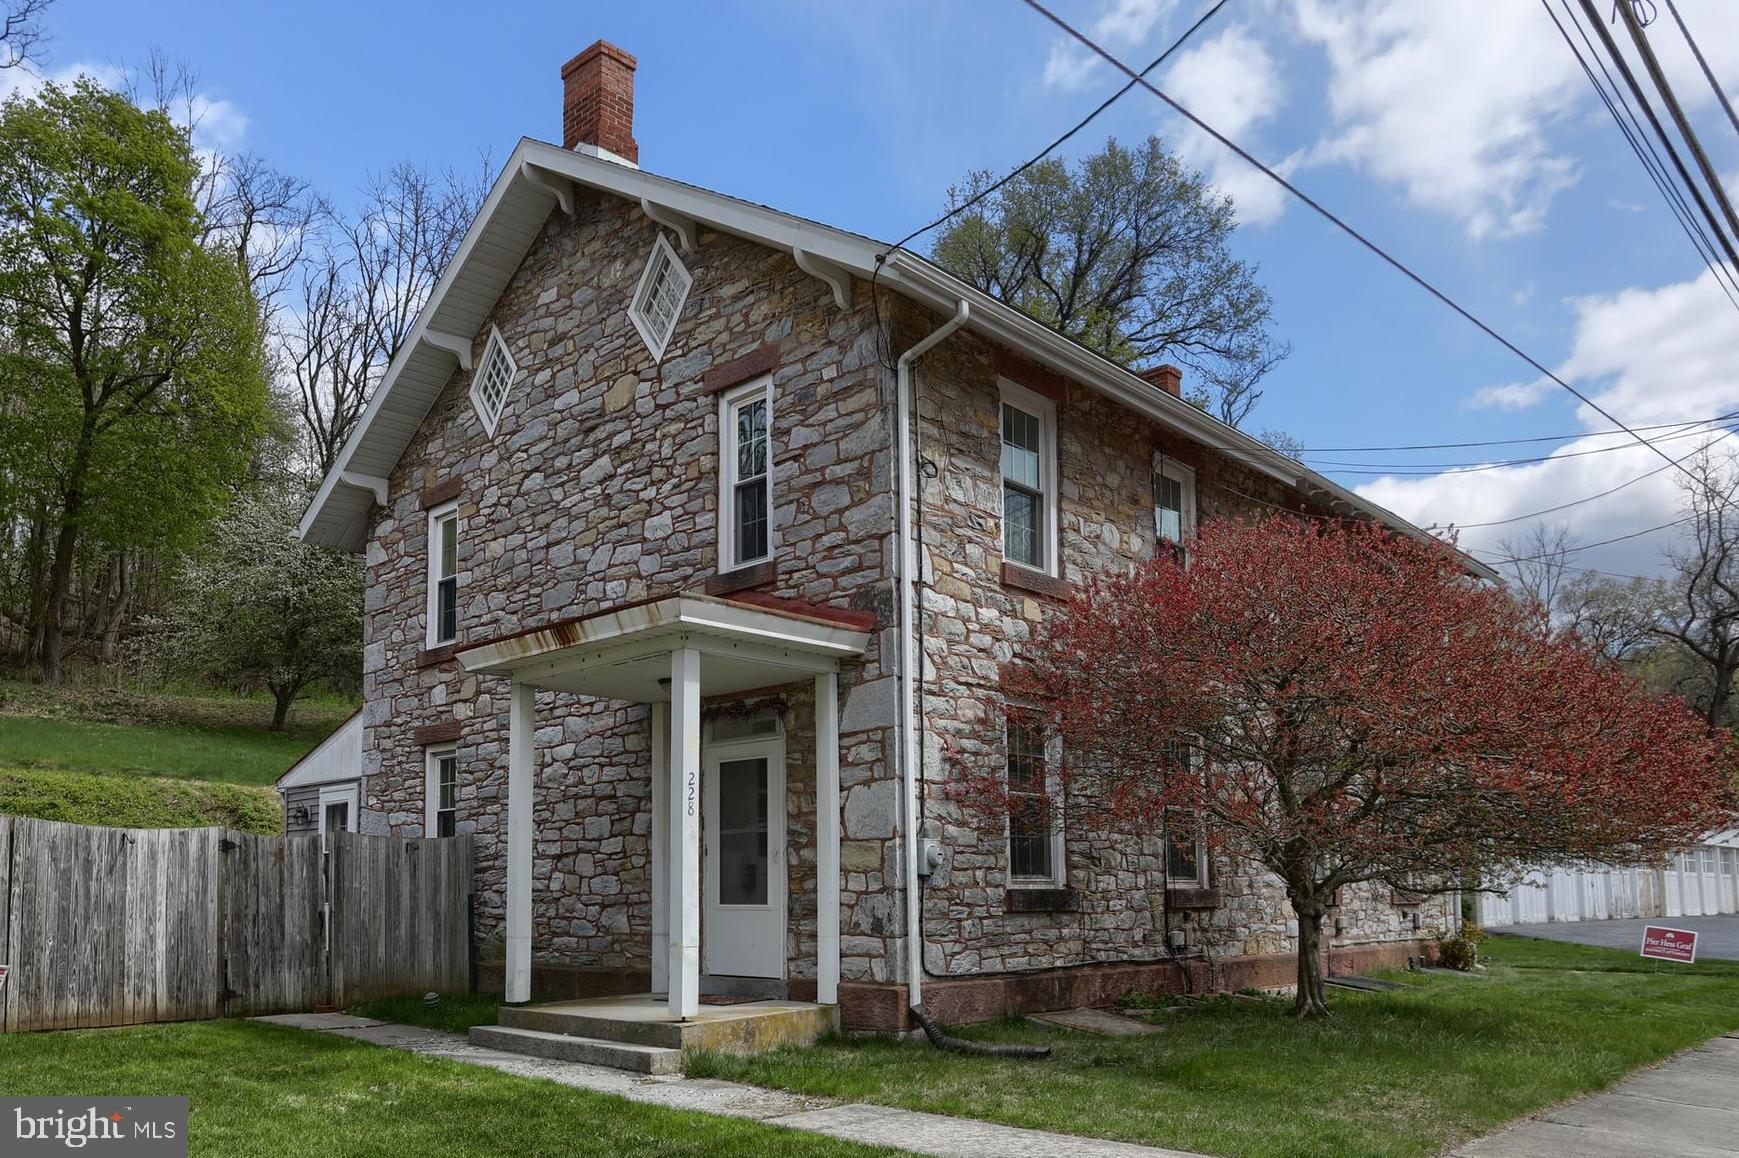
(1686, 1107)
(874, 1125)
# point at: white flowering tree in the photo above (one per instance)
(256, 606)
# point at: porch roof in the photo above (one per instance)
(623, 652)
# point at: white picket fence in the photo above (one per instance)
(1702, 881)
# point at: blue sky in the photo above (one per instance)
(1460, 136)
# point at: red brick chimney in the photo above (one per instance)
(1166, 376)
(598, 101)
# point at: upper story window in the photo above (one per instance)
(1174, 500)
(1029, 474)
(659, 297)
(1035, 832)
(441, 767)
(492, 381)
(746, 475)
(443, 609)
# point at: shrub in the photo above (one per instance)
(1460, 949)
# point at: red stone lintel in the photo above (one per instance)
(756, 362)
(444, 732)
(430, 656)
(442, 492)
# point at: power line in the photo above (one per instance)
(1515, 441)
(1708, 73)
(1645, 151)
(1578, 547)
(1453, 468)
(1396, 263)
(1661, 83)
(1666, 140)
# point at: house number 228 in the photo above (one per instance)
(693, 782)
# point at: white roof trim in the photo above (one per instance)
(334, 760)
(513, 213)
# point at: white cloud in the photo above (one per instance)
(1510, 395)
(1233, 84)
(25, 82)
(1122, 24)
(1449, 106)
(1648, 356)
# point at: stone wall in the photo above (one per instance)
(976, 619)
(599, 487)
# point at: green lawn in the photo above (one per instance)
(1400, 1073)
(193, 737)
(456, 1013)
(262, 1090)
(137, 801)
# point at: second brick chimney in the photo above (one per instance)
(598, 102)
(1166, 376)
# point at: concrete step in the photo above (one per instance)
(745, 1028)
(641, 1059)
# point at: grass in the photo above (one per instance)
(456, 1013)
(193, 737)
(1400, 1073)
(263, 1091)
(137, 801)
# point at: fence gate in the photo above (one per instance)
(116, 926)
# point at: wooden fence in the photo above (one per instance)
(121, 926)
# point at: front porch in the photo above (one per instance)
(718, 919)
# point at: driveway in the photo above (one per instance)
(1716, 936)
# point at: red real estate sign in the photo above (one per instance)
(1669, 944)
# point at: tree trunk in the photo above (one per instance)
(1310, 1002)
(282, 698)
(59, 585)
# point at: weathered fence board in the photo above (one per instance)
(110, 926)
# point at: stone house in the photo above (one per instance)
(632, 499)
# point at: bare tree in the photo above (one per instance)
(1702, 613)
(21, 34)
(1539, 562)
(326, 346)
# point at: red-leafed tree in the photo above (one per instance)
(1360, 710)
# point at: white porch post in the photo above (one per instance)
(827, 838)
(521, 757)
(660, 847)
(684, 832)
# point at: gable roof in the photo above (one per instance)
(539, 175)
(336, 758)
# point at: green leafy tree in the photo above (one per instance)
(258, 607)
(1126, 252)
(133, 388)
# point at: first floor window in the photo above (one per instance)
(1186, 861)
(1032, 831)
(443, 575)
(443, 791)
(747, 467)
(1029, 470)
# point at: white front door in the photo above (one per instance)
(743, 859)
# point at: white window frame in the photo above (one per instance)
(432, 601)
(656, 342)
(1045, 410)
(1185, 477)
(1059, 874)
(495, 347)
(340, 794)
(1200, 879)
(729, 402)
(432, 757)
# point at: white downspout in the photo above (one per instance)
(908, 696)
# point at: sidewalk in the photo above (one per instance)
(919, 1133)
(1686, 1107)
